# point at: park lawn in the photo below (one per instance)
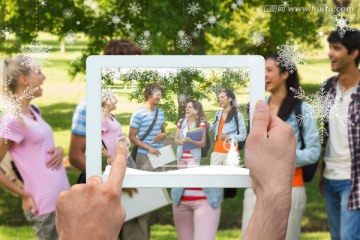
(158, 232)
(62, 94)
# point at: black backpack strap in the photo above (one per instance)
(236, 122)
(216, 119)
(298, 116)
(151, 126)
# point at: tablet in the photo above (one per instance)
(203, 176)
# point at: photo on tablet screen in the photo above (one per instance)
(191, 111)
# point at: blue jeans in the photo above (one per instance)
(344, 224)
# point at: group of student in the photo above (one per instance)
(196, 211)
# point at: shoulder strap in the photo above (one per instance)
(236, 122)
(182, 122)
(151, 126)
(298, 115)
(35, 108)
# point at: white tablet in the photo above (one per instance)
(207, 176)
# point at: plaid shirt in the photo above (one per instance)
(354, 142)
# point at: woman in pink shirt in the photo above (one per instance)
(30, 141)
(111, 131)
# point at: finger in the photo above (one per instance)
(261, 119)
(118, 168)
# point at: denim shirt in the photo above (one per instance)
(196, 152)
(229, 128)
(214, 196)
(310, 133)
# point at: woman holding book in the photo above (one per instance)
(196, 210)
(228, 127)
(282, 102)
(30, 141)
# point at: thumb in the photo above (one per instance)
(261, 119)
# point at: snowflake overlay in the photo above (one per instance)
(67, 13)
(36, 55)
(257, 38)
(10, 109)
(193, 8)
(341, 23)
(210, 19)
(70, 38)
(183, 41)
(116, 20)
(91, 4)
(144, 41)
(43, 3)
(108, 96)
(237, 4)
(182, 98)
(290, 55)
(233, 157)
(134, 8)
(320, 105)
(6, 32)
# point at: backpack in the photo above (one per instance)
(205, 149)
(241, 144)
(308, 170)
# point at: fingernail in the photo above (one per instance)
(121, 144)
(261, 105)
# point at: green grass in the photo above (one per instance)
(62, 94)
(158, 232)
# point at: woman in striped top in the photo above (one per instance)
(30, 141)
(196, 210)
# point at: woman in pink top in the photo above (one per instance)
(30, 141)
(111, 130)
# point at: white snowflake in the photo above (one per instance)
(43, 3)
(146, 33)
(91, 4)
(199, 26)
(182, 98)
(183, 42)
(67, 13)
(193, 8)
(322, 109)
(115, 19)
(36, 55)
(128, 26)
(341, 23)
(132, 34)
(240, 2)
(234, 6)
(144, 42)
(5, 80)
(211, 19)
(75, 60)
(159, 34)
(285, 3)
(216, 88)
(195, 34)
(320, 33)
(257, 38)
(70, 38)
(6, 32)
(290, 55)
(181, 33)
(108, 96)
(11, 108)
(134, 8)
(77, 22)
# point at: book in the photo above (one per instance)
(166, 156)
(196, 135)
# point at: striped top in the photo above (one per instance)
(191, 194)
(79, 119)
(141, 120)
(29, 150)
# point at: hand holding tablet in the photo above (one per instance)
(94, 210)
